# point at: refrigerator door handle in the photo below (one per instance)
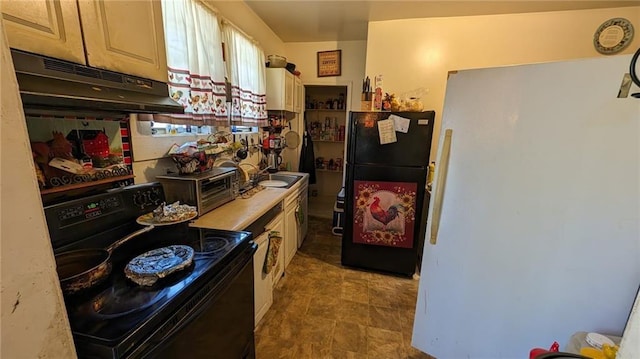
(439, 190)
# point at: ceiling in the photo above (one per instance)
(317, 20)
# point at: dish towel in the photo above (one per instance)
(300, 214)
(275, 240)
(307, 158)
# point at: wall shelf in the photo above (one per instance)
(85, 184)
(324, 170)
(326, 126)
(323, 110)
(329, 141)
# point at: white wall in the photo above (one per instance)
(241, 15)
(304, 55)
(34, 319)
(418, 53)
(149, 152)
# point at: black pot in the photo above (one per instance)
(84, 268)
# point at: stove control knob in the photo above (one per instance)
(139, 199)
(154, 197)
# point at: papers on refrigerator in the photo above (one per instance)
(387, 132)
(401, 124)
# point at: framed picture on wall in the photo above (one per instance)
(329, 63)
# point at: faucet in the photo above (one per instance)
(255, 177)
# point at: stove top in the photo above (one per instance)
(119, 310)
(118, 318)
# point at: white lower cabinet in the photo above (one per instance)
(295, 221)
(303, 208)
(262, 283)
(291, 230)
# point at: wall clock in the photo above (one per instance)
(613, 36)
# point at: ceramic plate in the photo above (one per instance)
(613, 36)
(148, 220)
(273, 183)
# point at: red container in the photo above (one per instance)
(538, 351)
(96, 146)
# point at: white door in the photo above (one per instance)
(125, 36)
(46, 27)
(539, 235)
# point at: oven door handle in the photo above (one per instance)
(199, 308)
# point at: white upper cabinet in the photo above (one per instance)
(298, 99)
(122, 36)
(125, 36)
(46, 27)
(280, 89)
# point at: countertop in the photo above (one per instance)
(240, 213)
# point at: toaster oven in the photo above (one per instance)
(206, 191)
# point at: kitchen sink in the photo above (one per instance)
(278, 180)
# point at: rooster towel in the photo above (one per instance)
(275, 240)
(384, 213)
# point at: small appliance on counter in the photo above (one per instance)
(206, 191)
(274, 160)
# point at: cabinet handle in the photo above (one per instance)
(439, 190)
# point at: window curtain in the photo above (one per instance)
(246, 73)
(196, 80)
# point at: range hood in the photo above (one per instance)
(47, 83)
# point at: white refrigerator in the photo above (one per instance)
(534, 223)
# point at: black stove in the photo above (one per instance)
(120, 319)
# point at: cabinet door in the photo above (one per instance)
(262, 283)
(304, 204)
(290, 232)
(275, 89)
(278, 270)
(301, 95)
(298, 97)
(289, 86)
(46, 27)
(125, 36)
(280, 89)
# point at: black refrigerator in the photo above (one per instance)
(385, 190)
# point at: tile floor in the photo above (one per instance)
(324, 310)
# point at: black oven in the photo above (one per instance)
(216, 323)
(202, 311)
